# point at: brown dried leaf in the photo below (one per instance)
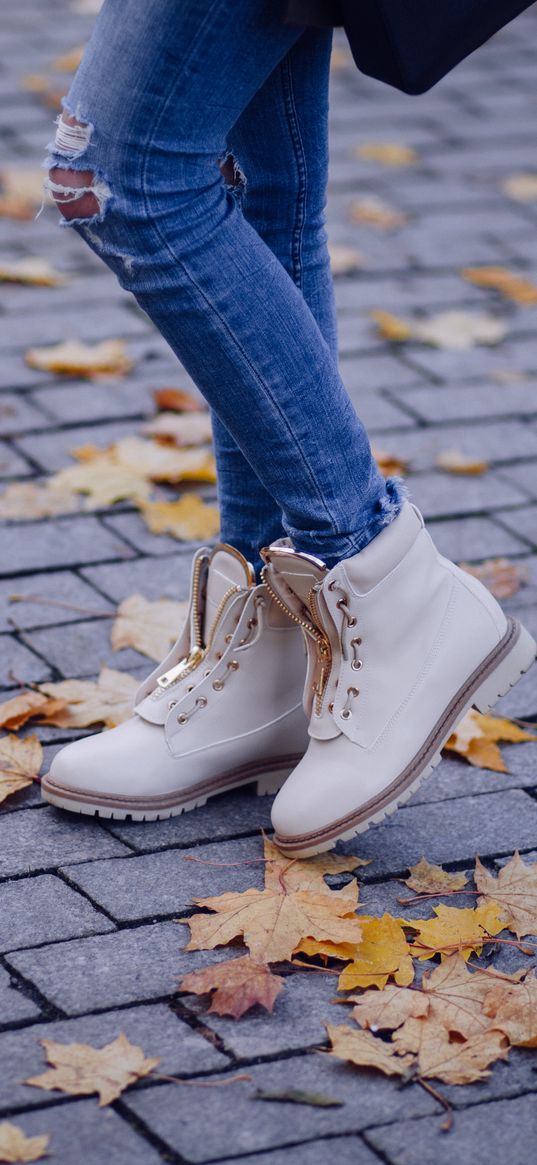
(20, 762)
(366, 1051)
(75, 358)
(513, 1009)
(160, 463)
(16, 1146)
(476, 736)
(514, 891)
(453, 461)
(181, 429)
(107, 701)
(148, 627)
(391, 327)
(374, 212)
(389, 463)
(464, 929)
(344, 260)
(38, 272)
(387, 153)
(80, 1069)
(177, 400)
(430, 879)
(188, 519)
(455, 995)
(24, 501)
(502, 577)
(387, 1009)
(238, 985)
(308, 873)
(452, 1060)
(26, 706)
(512, 285)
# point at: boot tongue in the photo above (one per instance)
(227, 568)
(295, 574)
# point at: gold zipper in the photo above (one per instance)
(219, 612)
(195, 655)
(321, 641)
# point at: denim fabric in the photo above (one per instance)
(235, 276)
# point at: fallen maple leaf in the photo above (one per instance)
(151, 460)
(457, 330)
(387, 1009)
(453, 461)
(187, 519)
(512, 285)
(107, 701)
(502, 577)
(522, 187)
(367, 1051)
(238, 985)
(476, 736)
(177, 400)
(181, 429)
(382, 953)
(21, 191)
(465, 928)
(391, 327)
(376, 213)
(148, 627)
(451, 1060)
(102, 481)
(38, 272)
(74, 358)
(20, 762)
(26, 706)
(513, 1009)
(387, 153)
(292, 905)
(514, 891)
(389, 463)
(80, 1069)
(430, 879)
(16, 1146)
(25, 501)
(344, 260)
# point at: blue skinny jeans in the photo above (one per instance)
(202, 142)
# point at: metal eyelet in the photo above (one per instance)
(218, 685)
(357, 664)
(190, 687)
(346, 714)
(182, 719)
(171, 704)
(233, 665)
(353, 621)
(332, 585)
(201, 701)
(357, 640)
(331, 706)
(229, 637)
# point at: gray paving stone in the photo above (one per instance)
(523, 475)
(44, 909)
(350, 1151)
(241, 1125)
(457, 778)
(495, 443)
(14, 1006)
(17, 414)
(518, 356)
(18, 664)
(460, 404)
(71, 402)
(94, 323)
(441, 494)
(83, 1132)
(11, 463)
(169, 580)
(41, 838)
(153, 1027)
(62, 542)
(111, 970)
(473, 539)
(522, 522)
(52, 450)
(363, 374)
(508, 1125)
(229, 814)
(378, 414)
(133, 529)
(167, 882)
(449, 831)
(81, 649)
(48, 599)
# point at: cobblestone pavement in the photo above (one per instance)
(89, 944)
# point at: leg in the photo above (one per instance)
(175, 237)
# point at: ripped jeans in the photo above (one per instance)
(192, 156)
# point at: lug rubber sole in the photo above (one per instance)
(269, 776)
(499, 672)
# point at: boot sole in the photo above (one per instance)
(269, 774)
(499, 672)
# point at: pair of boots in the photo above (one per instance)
(396, 644)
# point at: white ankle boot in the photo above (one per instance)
(224, 709)
(401, 643)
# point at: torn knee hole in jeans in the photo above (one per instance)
(234, 177)
(80, 194)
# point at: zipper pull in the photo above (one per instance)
(181, 669)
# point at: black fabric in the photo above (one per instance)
(410, 44)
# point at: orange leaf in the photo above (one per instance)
(238, 985)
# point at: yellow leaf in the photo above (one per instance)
(344, 260)
(514, 891)
(443, 1057)
(20, 762)
(160, 463)
(102, 481)
(391, 327)
(21, 191)
(430, 879)
(387, 153)
(366, 1051)
(108, 701)
(80, 1069)
(16, 1146)
(521, 187)
(24, 501)
(453, 461)
(68, 62)
(188, 519)
(34, 271)
(238, 985)
(513, 1009)
(476, 735)
(383, 953)
(308, 873)
(502, 577)
(74, 358)
(465, 930)
(148, 627)
(15, 712)
(177, 400)
(512, 285)
(389, 463)
(374, 212)
(389, 1008)
(455, 996)
(181, 429)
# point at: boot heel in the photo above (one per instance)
(507, 673)
(270, 783)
